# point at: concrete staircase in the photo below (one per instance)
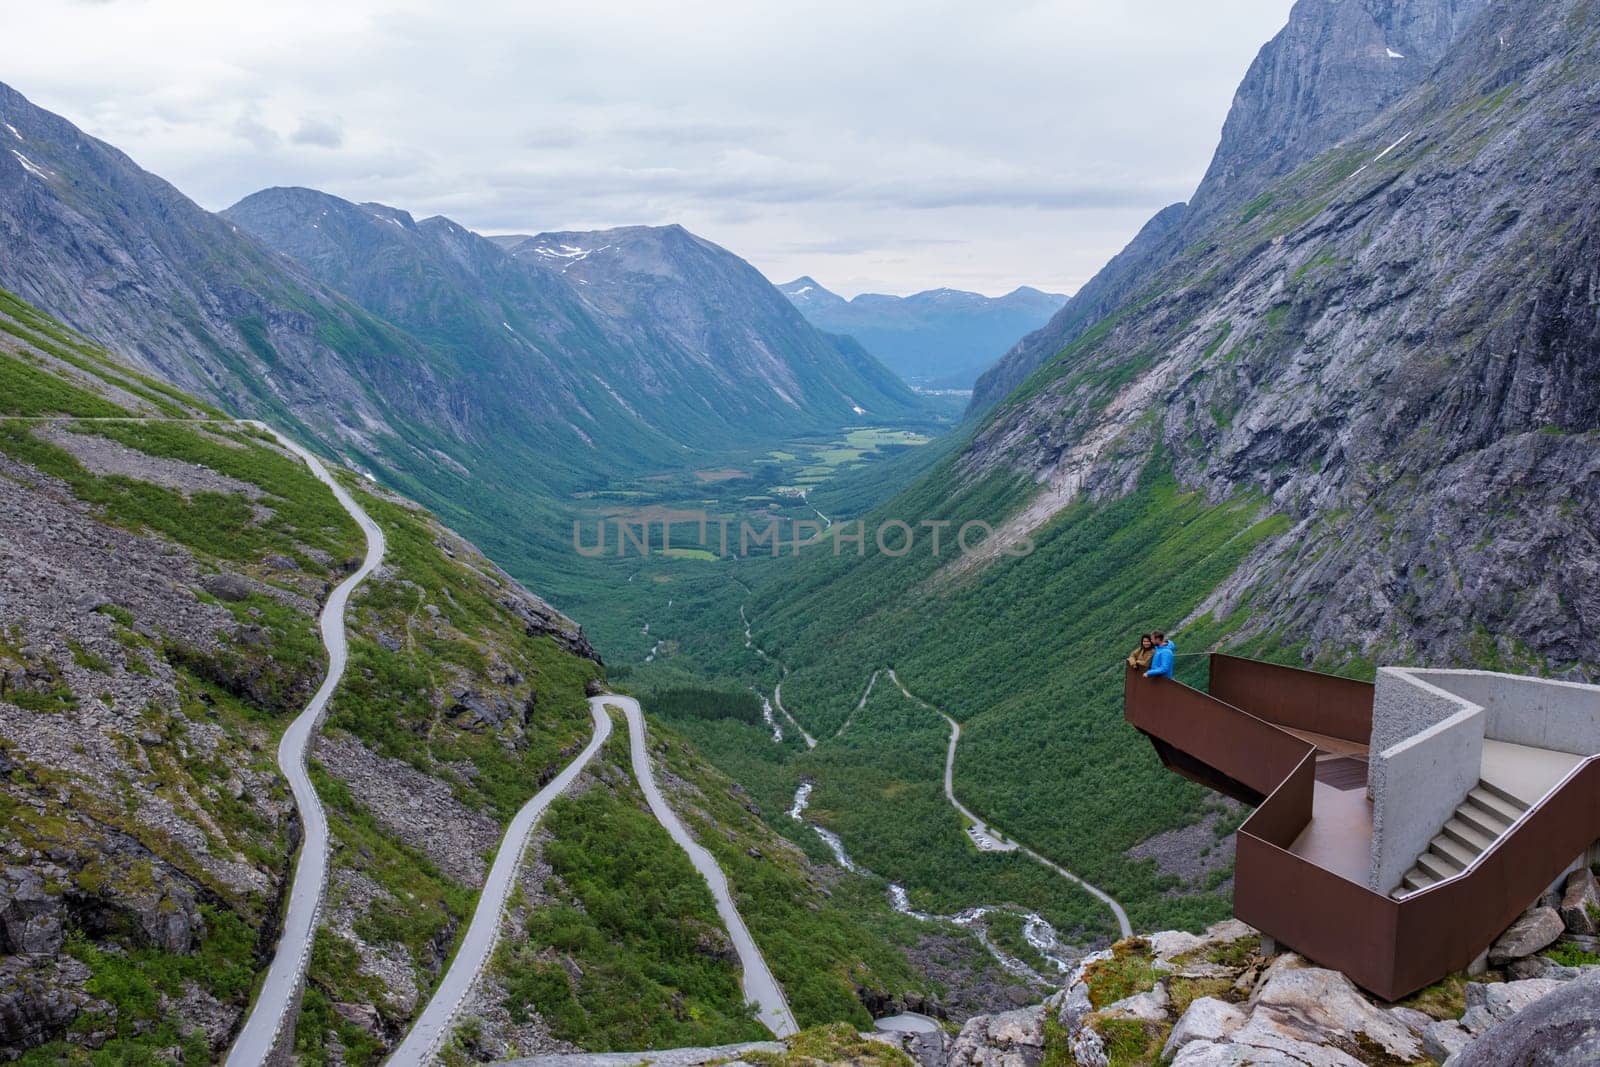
(1482, 818)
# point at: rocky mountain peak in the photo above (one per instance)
(806, 292)
(1331, 69)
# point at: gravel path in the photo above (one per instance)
(772, 1007)
(433, 1026)
(278, 992)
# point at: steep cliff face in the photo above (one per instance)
(1336, 65)
(1395, 345)
(1332, 68)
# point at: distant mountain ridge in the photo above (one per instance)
(586, 346)
(941, 338)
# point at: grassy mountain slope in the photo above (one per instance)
(493, 389)
(1354, 419)
(163, 579)
(161, 585)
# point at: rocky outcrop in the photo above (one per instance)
(420, 809)
(1010, 1039)
(1560, 1029)
(30, 918)
(1212, 1000)
(1580, 903)
(40, 996)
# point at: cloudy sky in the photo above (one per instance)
(880, 146)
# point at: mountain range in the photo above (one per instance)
(939, 339)
(1340, 408)
(492, 383)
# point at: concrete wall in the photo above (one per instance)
(1427, 753)
(1564, 716)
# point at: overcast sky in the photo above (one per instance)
(877, 145)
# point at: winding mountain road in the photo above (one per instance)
(987, 837)
(772, 1007)
(268, 1014)
(432, 1027)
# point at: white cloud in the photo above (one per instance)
(892, 146)
(324, 133)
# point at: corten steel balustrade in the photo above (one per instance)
(1248, 738)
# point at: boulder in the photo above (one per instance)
(1009, 1039)
(1170, 943)
(1410, 1018)
(1023, 1027)
(1299, 1008)
(1209, 1054)
(1504, 999)
(229, 587)
(1206, 1019)
(1580, 903)
(90, 602)
(1444, 1039)
(1072, 1005)
(30, 917)
(1147, 1007)
(1540, 967)
(1535, 930)
(1089, 1049)
(1561, 1029)
(364, 1016)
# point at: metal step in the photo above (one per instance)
(1486, 823)
(1487, 801)
(1441, 867)
(1461, 855)
(1417, 880)
(1511, 799)
(1470, 838)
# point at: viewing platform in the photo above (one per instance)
(1401, 826)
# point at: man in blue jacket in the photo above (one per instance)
(1161, 665)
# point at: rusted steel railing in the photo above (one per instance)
(1391, 948)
